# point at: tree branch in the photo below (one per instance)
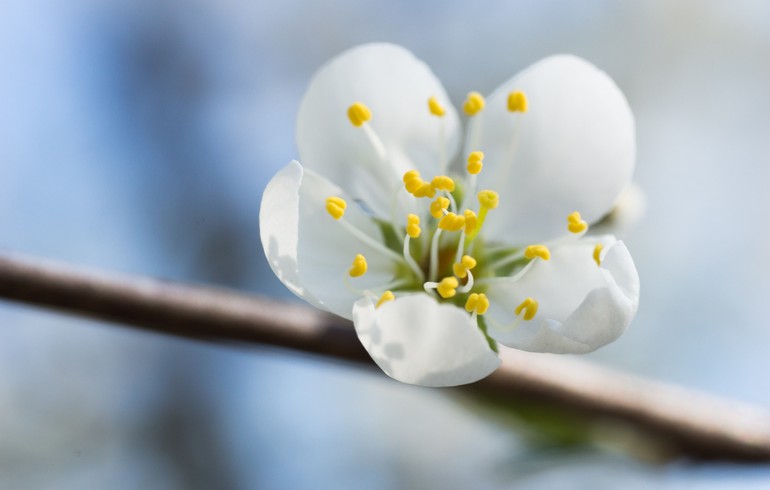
(676, 421)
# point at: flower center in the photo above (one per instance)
(443, 252)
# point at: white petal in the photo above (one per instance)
(417, 340)
(628, 209)
(573, 150)
(396, 87)
(308, 250)
(581, 306)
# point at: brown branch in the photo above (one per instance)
(674, 420)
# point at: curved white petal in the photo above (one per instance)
(573, 150)
(308, 250)
(582, 306)
(396, 87)
(417, 340)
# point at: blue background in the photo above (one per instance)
(137, 136)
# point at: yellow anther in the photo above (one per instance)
(488, 199)
(412, 181)
(438, 207)
(416, 186)
(471, 221)
(597, 252)
(358, 114)
(529, 307)
(483, 304)
(413, 225)
(452, 222)
(413, 185)
(475, 162)
(477, 303)
(443, 183)
(473, 300)
(473, 104)
(517, 101)
(359, 266)
(336, 206)
(435, 107)
(447, 287)
(575, 223)
(461, 268)
(386, 296)
(411, 175)
(537, 251)
(425, 190)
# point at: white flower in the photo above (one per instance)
(434, 263)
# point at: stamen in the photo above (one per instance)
(425, 190)
(433, 271)
(416, 186)
(471, 221)
(452, 203)
(413, 225)
(597, 251)
(475, 162)
(460, 247)
(452, 222)
(447, 186)
(336, 206)
(575, 223)
(412, 181)
(438, 207)
(358, 114)
(537, 251)
(377, 144)
(369, 240)
(529, 307)
(474, 103)
(477, 304)
(443, 183)
(462, 267)
(530, 252)
(412, 231)
(447, 288)
(355, 290)
(505, 261)
(468, 284)
(435, 107)
(386, 296)
(359, 266)
(517, 101)
(380, 287)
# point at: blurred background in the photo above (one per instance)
(138, 135)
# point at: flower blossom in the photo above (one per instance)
(439, 254)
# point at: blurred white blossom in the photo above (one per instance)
(435, 272)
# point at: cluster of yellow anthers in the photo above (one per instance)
(444, 209)
(468, 223)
